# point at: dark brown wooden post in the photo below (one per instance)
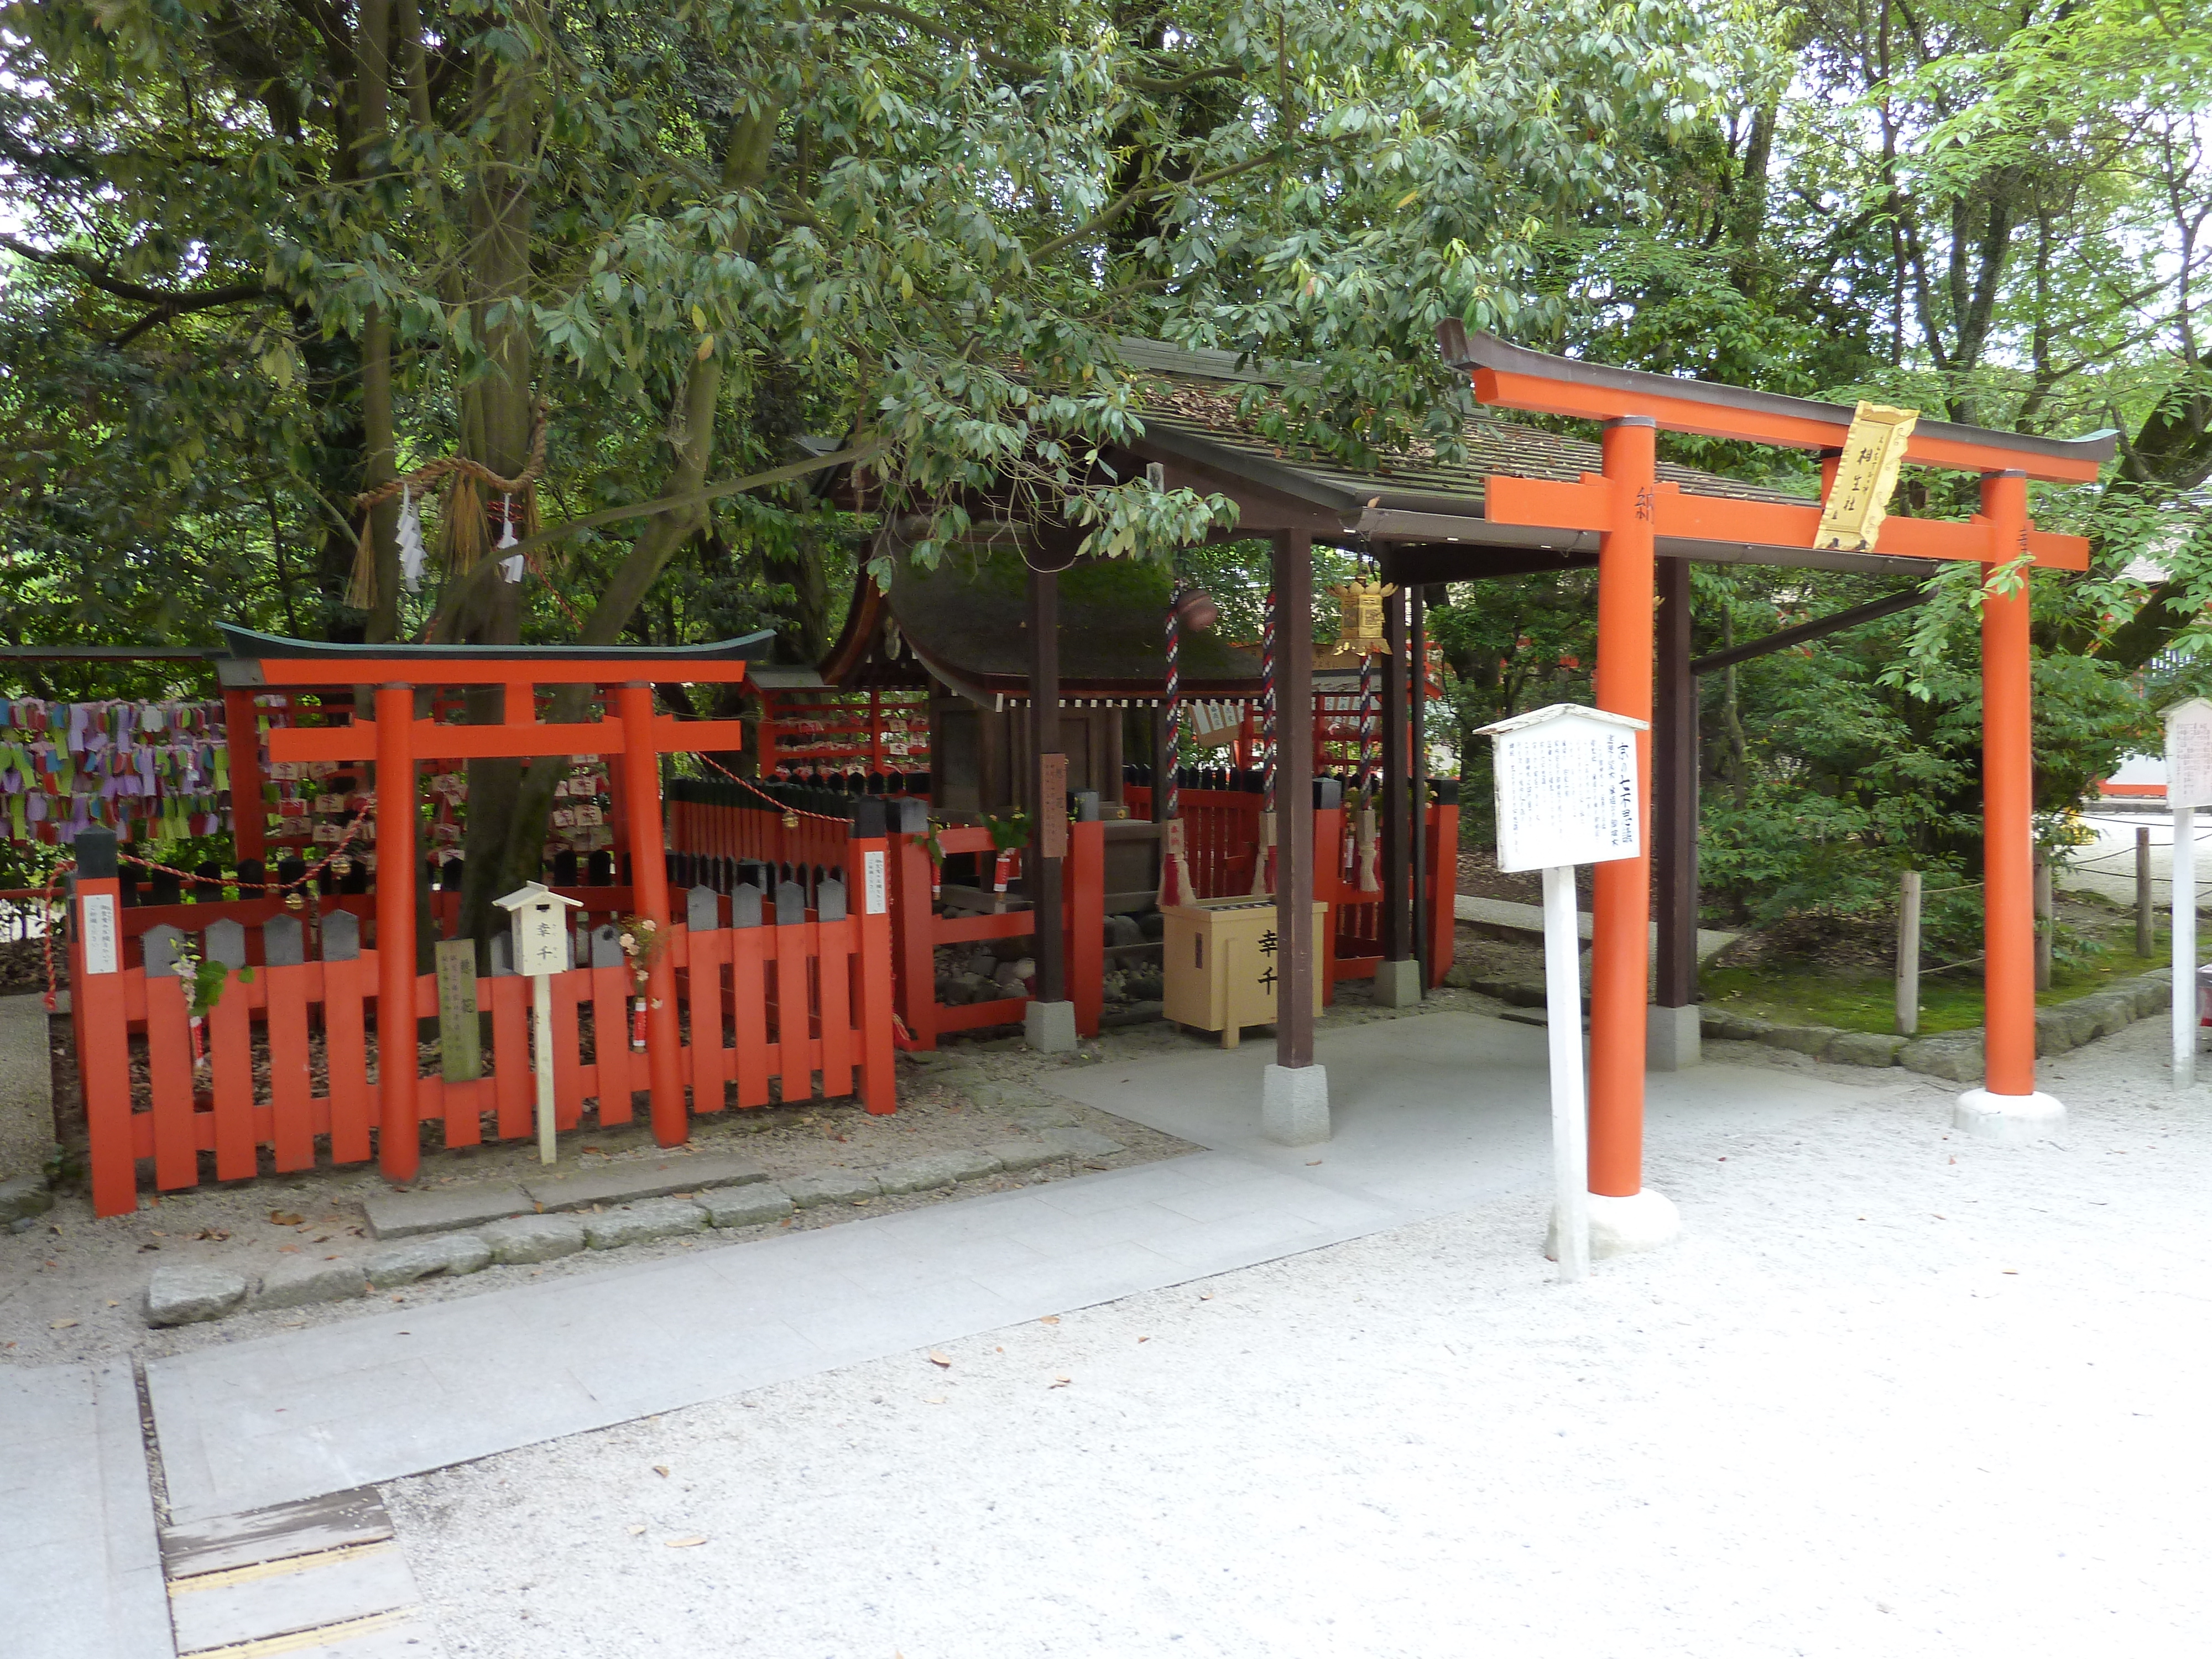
(1294, 856)
(1416, 768)
(1397, 862)
(1048, 786)
(1675, 814)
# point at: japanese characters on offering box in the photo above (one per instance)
(149, 771)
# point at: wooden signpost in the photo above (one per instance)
(541, 951)
(1567, 794)
(2188, 786)
(460, 1045)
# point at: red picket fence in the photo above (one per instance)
(292, 1052)
(740, 834)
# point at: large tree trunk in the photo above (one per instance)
(505, 846)
(371, 83)
(495, 430)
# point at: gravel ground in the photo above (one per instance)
(1894, 1394)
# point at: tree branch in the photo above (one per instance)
(1014, 66)
(174, 302)
(1120, 204)
(866, 450)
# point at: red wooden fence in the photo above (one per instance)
(763, 1010)
(1221, 836)
(918, 929)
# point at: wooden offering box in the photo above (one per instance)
(1221, 962)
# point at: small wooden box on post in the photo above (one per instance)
(539, 917)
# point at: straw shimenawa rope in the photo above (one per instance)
(471, 482)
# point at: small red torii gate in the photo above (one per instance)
(396, 739)
(1630, 509)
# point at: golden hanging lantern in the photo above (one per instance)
(1359, 609)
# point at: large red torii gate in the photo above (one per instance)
(1630, 509)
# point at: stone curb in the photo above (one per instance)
(1956, 1056)
(189, 1296)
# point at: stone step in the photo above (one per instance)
(645, 1177)
(1504, 916)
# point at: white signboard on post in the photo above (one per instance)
(2189, 754)
(1567, 790)
(2188, 786)
(1566, 787)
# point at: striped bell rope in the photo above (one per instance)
(1267, 698)
(1171, 751)
(1366, 722)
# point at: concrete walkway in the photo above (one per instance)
(1434, 1114)
(80, 1567)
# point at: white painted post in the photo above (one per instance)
(541, 1059)
(2184, 947)
(1562, 1010)
(1566, 795)
(1908, 954)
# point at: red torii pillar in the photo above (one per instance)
(1620, 908)
(2008, 1106)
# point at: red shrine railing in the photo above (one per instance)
(780, 1003)
(1221, 839)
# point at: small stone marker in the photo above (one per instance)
(160, 945)
(606, 946)
(790, 903)
(225, 942)
(283, 942)
(1567, 794)
(702, 910)
(340, 937)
